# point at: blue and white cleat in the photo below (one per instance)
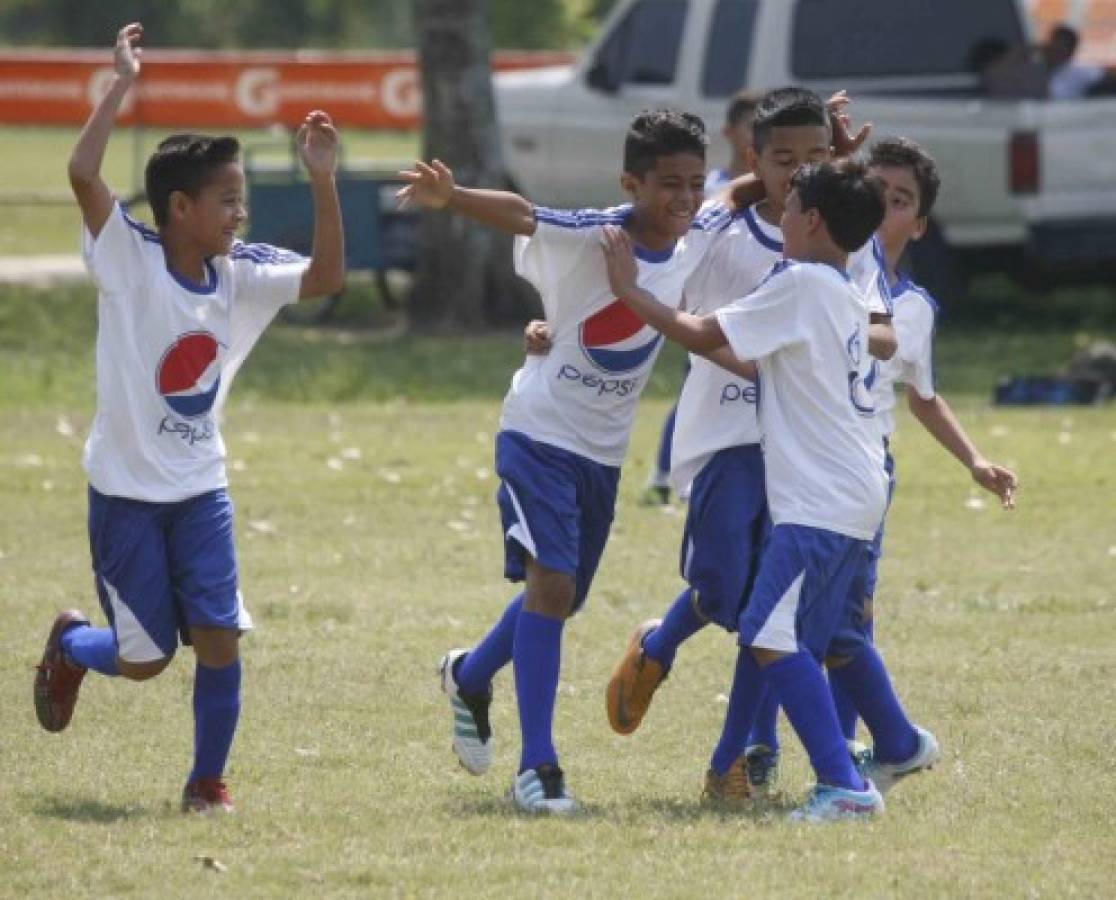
(472, 734)
(827, 803)
(542, 791)
(886, 775)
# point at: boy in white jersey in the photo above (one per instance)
(717, 442)
(806, 328)
(911, 183)
(567, 419)
(737, 130)
(179, 308)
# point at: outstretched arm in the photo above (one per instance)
(317, 148)
(433, 187)
(93, 195)
(938, 419)
(701, 334)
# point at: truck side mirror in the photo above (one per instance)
(601, 78)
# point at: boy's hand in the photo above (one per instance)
(536, 338)
(620, 261)
(844, 142)
(318, 143)
(430, 186)
(126, 55)
(996, 479)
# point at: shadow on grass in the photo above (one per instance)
(636, 809)
(92, 811)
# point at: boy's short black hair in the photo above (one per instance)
(903, 153)
(848, 199)
(1067, 35)
(184, 162)
(786, 107)
(740, 107)
(662, 132)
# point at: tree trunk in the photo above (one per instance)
(465, 278)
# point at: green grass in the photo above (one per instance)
(35, 161)
(369, 544)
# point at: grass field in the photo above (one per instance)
(369, 544)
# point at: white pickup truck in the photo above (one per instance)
(1029, 186)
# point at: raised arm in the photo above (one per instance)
(92, 194)
(938, 419)
(433, 187)
(701, 334)
(318, 143)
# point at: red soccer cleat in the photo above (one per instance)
(56, 680)
(206, 795)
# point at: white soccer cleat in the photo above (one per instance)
(472, 735)
(542, 791)
(887, 775)
(833, 804)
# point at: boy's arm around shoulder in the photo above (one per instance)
(433, 187)
(93, 196)
(317, 147)
(700, 334)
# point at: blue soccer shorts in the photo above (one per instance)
(726, 524)
(163, 567)
(802, 589)
(555, 506)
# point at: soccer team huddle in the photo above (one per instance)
(779, 276)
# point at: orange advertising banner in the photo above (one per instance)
(230, 90)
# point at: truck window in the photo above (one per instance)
(728, 48)
(643, 49)
(896, 37)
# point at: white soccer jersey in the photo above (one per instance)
(912, 364)
(581, 396)
(717, 409)
(806, 327)
(167, 351)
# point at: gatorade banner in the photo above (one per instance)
(230, 90)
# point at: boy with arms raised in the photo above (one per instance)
(567, 419)
(910, 180)
(179, 308)
(716, 446)
(805, 327)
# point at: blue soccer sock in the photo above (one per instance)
(666, 443)
(537, 659)
(681, 622)
(800, 686)
(846, 710)
(93, 648)
(765, 727)
(216, 711)
(866, 682)
(749, 688)
(478, 667)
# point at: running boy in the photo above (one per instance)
(179, 308)
(806, 329)
(567, 419)
(911, 182)
(717, 442)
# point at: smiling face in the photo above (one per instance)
(667, 197)
(787, 148)
(211, 218)
(901, 223)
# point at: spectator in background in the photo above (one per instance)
(1068, 81)
(1009, 73)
